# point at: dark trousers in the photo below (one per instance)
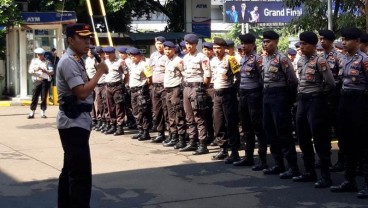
(142, 112)
(40, 88)
(175, 110)
(115, 104)
(75, 180)
(277, 126)
(159, 107)
(225, 111)
(312, 122)
(99, 102)
(128, 106)
(251, 112)
(353, 119)
(209, 114)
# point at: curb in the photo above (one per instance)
(8, 103)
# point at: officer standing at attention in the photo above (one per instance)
(250, 93)
(140, 78)
(91, 71)
(41, 70)
(353, 110)
(157, 63)
(279, 91)
(73, 120)
(326, 38)
(225, 108)
(174, 98)
(115, 91)
(197, 75)
(316, 80)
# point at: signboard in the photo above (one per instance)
(251, 11)
(49, 17)
(201, 17)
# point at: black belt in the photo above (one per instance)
(193, 84)
(309, 95)
(170, 89)
(223, 91)
(158, 84)
(275, 89)
(248, 91)
(136, 89)
(101, 85)
(354, 92)
(114, 84)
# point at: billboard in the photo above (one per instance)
(251, 11)
(49, 17)
(201, 17)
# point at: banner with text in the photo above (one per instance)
(201, 17)
(251, 11)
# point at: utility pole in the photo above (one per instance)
(329, 14)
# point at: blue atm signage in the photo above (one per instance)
(48, 17)
(251, 11)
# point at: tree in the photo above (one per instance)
(9, 16)
(345, 13)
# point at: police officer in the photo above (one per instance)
(197, 74)
(139, 80)
(339, 47)
(73, 120)
(326, 38)
(353, 110)
(183, 49)
(115, 91)
(225, 108)
(250, 104)
(157, 63)
(280, 85)
(41, 70)
(174, 97)
(316, 80)
(91, 71)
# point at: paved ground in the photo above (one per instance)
(129, 173)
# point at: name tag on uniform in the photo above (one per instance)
(273, 69)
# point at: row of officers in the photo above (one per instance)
(202, 97)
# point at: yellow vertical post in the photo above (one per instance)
(102, 6)
(97, 42)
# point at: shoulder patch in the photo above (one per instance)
(234, 64)
(323, 65)
(148, 71)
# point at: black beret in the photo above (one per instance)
(247, 38)
(364, 38)
(339, 45)
(169, 44)
(272, 35)
(351, 33)
(134, 51)
(160, 38)
(109, 49)
(78, 29)
(230, 43)
(177, 49)
(297, 44)
(208, 45)
(99, 49)
(182, 44)
(291, 51)
(327, 34)
(319, 47)
(191, 38)
(122, 49)
(219, 41)
(309, 37)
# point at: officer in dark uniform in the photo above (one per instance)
(363, 46)
(316, 80)
(353, 110)
(250, 104)
(280, 86)
(225, 106)
(326, 38)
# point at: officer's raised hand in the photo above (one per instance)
(101, 68)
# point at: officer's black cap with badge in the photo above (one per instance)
(247, 38)
(191, 38)
(80, 29)
(308, 37)
(327, 34)
(351, 33)
(271, 35)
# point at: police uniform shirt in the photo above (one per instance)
(173, 71)
(139, 73)
(115, 71)
(224, 71)
(251, 72)
(333, 59)
(196, 67)
(35, 69)
(314, 74)
(212, 71)
(157, 63)
(69, 74)
(354, 71)
(90, 67)
(278, 71)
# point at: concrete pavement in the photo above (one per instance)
(129, 173)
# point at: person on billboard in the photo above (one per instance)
(254, 15)
(232, 14)
(244, 15)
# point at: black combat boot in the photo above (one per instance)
(222, 155)
(234, 157)
(192, 146)
(173, 141)
(346, 186)
(98, 125)
(119, 131)
(363, 194)
(262, 164)
(145, 136)
(161, 137)
(107, 127)
(102, 126)
(202, 148)
(168, 139)
(246, 161)
(111, 130)
(181, 143)
(137, 136)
